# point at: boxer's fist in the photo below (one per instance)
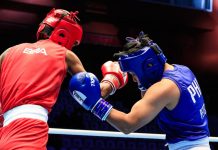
(84, 87)
(113, 75)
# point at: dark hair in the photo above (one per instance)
(134, 44)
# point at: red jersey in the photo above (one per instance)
(32, 73)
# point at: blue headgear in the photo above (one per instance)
(147, 63)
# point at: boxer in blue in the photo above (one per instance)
(169, 92)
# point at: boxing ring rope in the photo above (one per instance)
(113, 134)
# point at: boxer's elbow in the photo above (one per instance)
(127, 131)
(129, 126)
(126, 123)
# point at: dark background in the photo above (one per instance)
(187, 36)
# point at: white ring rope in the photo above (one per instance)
(113, 134)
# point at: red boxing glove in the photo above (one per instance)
(113, 75)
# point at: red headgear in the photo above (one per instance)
(63, 28)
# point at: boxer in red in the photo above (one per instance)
(31, 77)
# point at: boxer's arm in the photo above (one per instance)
(73, 62)
(158, 96)
(106, 89)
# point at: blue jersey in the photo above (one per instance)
(188, 120)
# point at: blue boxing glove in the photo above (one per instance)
(84, 87)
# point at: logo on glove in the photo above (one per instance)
(78, 96)
(92, 80)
